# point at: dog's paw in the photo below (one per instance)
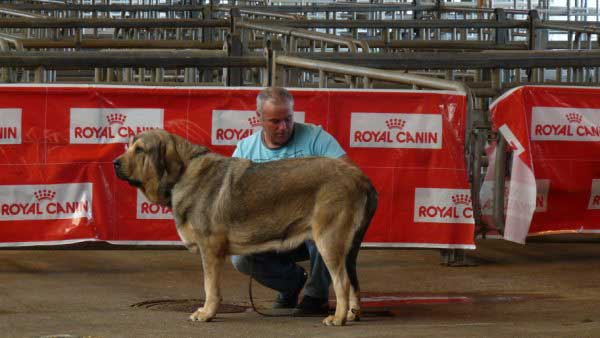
(353, 315)
(332, 321)
(201, 316)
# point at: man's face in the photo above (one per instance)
(277, 122)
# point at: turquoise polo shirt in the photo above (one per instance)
(307, 140)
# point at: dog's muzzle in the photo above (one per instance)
(119, 172)
(117, 166)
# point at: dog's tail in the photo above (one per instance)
(369, 211)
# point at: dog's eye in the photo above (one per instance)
(139, 150)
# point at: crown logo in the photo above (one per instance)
(574, 118)
(461, 199)
(44, 194)
(254, 121)
(116, 118)
(395, 123)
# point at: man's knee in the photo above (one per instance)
(311, 247)
(242, 264)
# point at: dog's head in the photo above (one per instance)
(154, 162)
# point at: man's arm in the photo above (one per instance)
(324, 144)
(239, 151)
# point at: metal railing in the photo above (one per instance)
(480, 52)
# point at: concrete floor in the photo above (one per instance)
(543, 289)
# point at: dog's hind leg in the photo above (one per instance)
(370, 205)
(354, 297)
(333, 245)
(354, 293)
(213, 257)
(341, 284)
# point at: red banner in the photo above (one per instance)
(559, 130)
(57, 144)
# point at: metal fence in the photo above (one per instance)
(405, 44)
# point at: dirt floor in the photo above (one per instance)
(548, 288)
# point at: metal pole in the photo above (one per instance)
(499, 182)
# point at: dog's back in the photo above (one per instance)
(273, 205)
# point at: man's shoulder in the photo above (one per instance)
(308, 130)
(247, 145)
(246, 141)
(319, 142)
(307, 126)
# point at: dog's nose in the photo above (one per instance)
(117, 164)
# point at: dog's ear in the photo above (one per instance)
(187, 150)
(175, 153)
(168, 168)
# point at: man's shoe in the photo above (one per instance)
(311, 306)
(290, 301)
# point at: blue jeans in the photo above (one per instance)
(279, 271)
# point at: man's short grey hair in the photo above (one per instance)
(276, 95)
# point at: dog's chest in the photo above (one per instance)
(188, 237)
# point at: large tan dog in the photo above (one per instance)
(224, 206)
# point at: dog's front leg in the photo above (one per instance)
(213, 258)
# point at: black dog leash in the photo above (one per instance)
(264, 314)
